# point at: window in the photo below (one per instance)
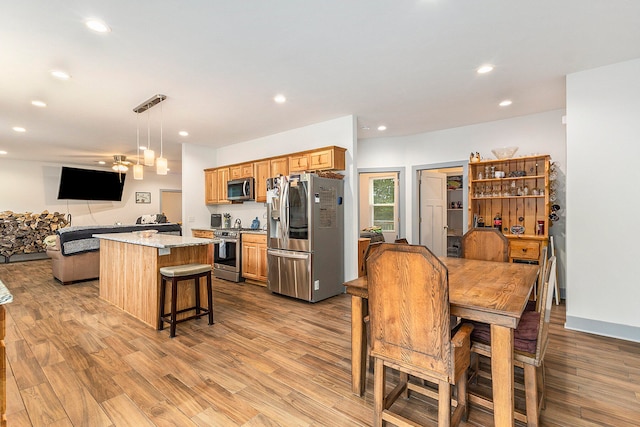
(382, 202)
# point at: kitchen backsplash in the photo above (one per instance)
(246, 211)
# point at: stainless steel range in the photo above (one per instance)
(227, 251)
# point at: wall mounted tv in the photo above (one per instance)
(87, 184)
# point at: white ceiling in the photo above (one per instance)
(408, 64)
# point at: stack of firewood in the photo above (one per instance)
(24, 233)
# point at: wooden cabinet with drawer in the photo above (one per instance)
(254, 257)
(524, 249)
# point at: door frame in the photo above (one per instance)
(415, 207)
(400, 196)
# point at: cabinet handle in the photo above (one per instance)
(524, 250)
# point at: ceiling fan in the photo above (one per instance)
(120, 163)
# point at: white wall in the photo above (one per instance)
(33, 187)
(340, 132)
(603, 148)
(539, 133)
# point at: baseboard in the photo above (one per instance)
(26, 257)
(607, 329)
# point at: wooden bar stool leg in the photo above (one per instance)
(174, 297)
(163, 291)
(196, 287)
(210, 298)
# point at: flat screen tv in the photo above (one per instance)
(87, 184)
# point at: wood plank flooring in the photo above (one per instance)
(75, 360)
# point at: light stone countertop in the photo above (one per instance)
(157, 240)
(5, 294)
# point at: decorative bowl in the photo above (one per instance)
(504, 152)
(146, 233)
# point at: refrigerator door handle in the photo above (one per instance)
(288, 254)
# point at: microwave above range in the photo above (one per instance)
(240, 189)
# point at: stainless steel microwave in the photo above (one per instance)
(240, 189)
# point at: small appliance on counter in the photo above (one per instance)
(216, 220)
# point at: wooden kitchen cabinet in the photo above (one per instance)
(215, 189)
(299, 162)
(279, 166)
(210, 186)
(332, 158)
(320, 159)
(244, 170)
(520, 199)
(254, 257)
(261, 173)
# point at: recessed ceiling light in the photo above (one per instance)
(505, 103)
(183, 133)
(37, 103)
(485, 69)
(58, 74)
(101, 162)
(365, 128)
(2, 152)
(97, 26)
(382, 127)
(19, 129)
(280, 99)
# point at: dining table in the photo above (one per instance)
(485, 291)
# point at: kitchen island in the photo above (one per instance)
(130, 270)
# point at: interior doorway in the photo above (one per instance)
(171, 205)
(442, 208)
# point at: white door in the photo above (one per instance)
(433, 211)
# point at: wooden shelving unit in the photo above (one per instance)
(521, 199)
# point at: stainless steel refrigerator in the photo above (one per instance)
(305, 236)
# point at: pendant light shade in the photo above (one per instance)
(161, 166)
(149, 157)
(138, 171)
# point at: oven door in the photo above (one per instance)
(226, 259)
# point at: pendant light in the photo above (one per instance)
(138, 169)
(149, 155)
(161, 162)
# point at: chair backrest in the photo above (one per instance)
(545, 304)
(542, 262)
(401, 240)
(409, 308)
(486, 244)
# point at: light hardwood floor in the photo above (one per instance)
(75, 360)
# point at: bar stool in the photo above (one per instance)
(175, 274)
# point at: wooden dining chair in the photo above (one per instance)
(402, 240)
(485, 244)
(531, 338)
(410, 332)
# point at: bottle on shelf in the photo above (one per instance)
(497, 221)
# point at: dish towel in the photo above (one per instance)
(222, 249)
